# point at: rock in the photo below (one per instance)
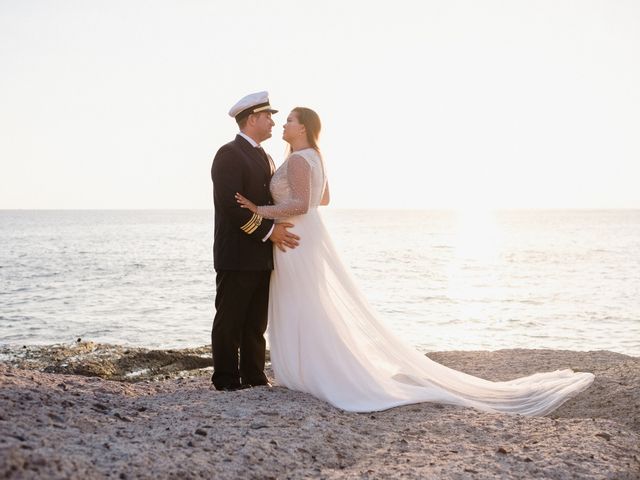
(119, 416)
(201, 432)
(111, 361)
(55, 417)
(420, 441)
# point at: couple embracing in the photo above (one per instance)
(275, 263)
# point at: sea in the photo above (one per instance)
(441, 280)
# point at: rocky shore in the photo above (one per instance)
(85, 411)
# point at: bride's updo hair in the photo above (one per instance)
(311, 122)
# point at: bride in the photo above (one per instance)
(325, 339)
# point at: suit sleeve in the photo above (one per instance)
(227, 180)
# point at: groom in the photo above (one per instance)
(242, 249)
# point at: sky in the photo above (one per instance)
(452, 104)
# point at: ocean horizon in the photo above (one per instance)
(440, 279)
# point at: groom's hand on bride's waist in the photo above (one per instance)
(282, 237)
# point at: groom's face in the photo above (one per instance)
(263, 125)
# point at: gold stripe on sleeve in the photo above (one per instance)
(252, 225)
(248, 225)
(255, 225)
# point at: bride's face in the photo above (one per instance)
(293, 128)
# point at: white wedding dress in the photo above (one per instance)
(325, 339)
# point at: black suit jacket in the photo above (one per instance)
(238, 245)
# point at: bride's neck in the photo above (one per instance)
(299, 145)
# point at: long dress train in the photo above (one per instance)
(325, 339)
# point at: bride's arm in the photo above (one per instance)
(299, 179)
(326, 196)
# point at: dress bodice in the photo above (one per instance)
(297, 185)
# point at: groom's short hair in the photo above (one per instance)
(242, 122)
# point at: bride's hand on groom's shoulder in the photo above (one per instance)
(283, 238)
(244, 203)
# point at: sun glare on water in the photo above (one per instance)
(477, 245)
(477, 234)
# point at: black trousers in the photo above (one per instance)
(242, 299)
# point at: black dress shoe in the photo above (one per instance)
(231, 388)
(251, 385)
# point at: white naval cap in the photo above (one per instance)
(252, 103)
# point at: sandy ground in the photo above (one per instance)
(55, 425)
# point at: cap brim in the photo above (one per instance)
(253, 110)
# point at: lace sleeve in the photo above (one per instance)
(299, 180)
